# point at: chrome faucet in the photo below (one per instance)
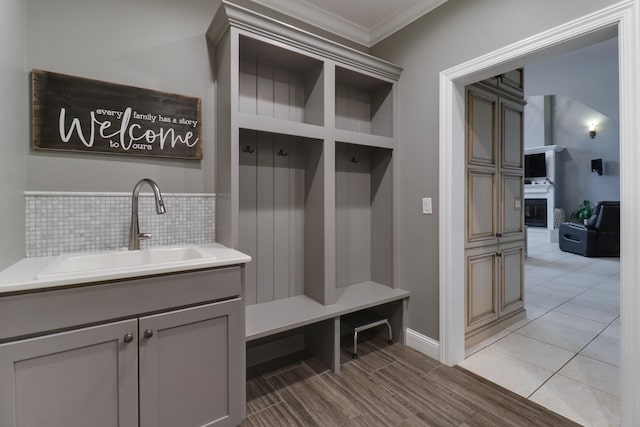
(134, 230)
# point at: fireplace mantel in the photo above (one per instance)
(545, 189)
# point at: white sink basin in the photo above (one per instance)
(85, 263)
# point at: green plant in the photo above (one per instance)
(584, 211)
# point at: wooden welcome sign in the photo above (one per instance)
(78, 114)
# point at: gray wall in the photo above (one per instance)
(585, 85)
(13, 120)
(457, 31)
(575, 181)
(155, 44)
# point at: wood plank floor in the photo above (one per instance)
(388, 385)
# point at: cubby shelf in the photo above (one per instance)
(273, 125)
(279, 83)
(282, 315)
(363, 103)
(304, 177)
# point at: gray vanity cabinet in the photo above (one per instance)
(162, 351)
(188, 361)
(79, 378)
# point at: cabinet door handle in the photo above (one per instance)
(499, 235)
(498, 254)
(128, 338)
(148, 333)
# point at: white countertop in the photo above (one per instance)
(26, 274)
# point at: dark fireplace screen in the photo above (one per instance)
(535, 212)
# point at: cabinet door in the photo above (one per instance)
(481, 208)
(511, 134)
(85, 377)
(511, 277)
(511, 211)
(482, 126)
(482, 287)
(190, 367)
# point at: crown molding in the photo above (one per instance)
(319, 17)
(233, 15)
(401, 19)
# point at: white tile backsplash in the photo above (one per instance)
(87, 222)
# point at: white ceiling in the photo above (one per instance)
(363, 21)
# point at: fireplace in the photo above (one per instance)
(535, 212)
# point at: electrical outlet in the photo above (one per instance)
(426, 206)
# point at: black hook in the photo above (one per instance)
(282, 153)
(354, 160)
(248, 149)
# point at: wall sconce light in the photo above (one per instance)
(592, 130)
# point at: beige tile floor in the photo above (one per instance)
(566, 354)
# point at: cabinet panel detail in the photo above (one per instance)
(512, 271)
(481, 205)
(512, 81)
(189, 366)
(481, 127)
(482, 287)
(73, 379)
(512, 204)
(512, 138)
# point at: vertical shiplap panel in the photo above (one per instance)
(264, 230)
(281, 216)
(296, 97)
(265, 89)
(342, 216)
(382, 216)
(342, 107)
(280, 93)
(248, 212)
(359, 187)
(296, 226)
(248, 86)
(360, 109)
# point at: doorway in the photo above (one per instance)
(621, 18)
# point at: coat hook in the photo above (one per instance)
(354, 160)
(282, 153)
(248, 149)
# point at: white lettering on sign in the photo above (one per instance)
(129, 135)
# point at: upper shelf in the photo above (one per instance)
(363, 103)
(279, 83)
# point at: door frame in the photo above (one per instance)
(622, 18)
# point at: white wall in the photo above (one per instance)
(154, 44)
(457, 31)
(585, 85)
(13, 120)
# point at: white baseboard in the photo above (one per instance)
(423, 344)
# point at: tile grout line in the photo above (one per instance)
(569, 361)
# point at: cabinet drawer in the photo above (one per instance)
(39, 312)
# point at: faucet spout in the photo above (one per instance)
(134, 229)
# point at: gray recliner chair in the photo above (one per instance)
(599, 237)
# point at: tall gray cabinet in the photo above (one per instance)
(494, 248)
(304, 165)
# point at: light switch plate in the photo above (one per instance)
(517, 204)
(426, 206)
